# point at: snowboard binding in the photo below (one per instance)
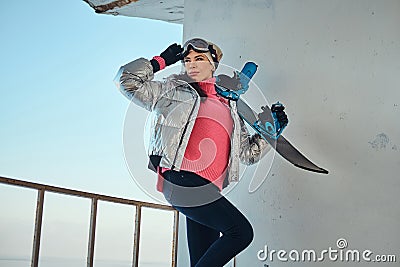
(229, 89)
(264, 125)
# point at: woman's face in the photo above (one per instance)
(197, 66)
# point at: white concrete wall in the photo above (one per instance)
(336, 67)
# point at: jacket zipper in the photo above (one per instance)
(186, 126)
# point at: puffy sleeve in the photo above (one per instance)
(135, 81)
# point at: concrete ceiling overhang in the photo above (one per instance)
(168, 10)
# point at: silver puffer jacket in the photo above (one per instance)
(174, 104)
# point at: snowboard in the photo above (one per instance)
(281, 144)
(265, 123)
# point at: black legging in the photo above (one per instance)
(207, 219)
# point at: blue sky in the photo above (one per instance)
(61, 115)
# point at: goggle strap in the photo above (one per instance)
(213, 53)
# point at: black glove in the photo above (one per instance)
(280, 114)
(231, 83)
(171, 55)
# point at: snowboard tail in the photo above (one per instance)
(281, 144)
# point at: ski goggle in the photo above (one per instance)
(201, 46)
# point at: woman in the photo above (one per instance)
(196, 144)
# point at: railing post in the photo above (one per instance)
(175, 238)
(92, 232)
(38, 228)
(136, 236)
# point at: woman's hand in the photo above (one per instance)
(172, 54)
(280, 114)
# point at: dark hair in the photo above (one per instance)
(193, 83)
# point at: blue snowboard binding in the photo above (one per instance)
(264, 125)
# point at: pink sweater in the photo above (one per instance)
(207, 152)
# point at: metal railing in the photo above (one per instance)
(42, 189)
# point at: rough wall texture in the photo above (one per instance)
(336, 66)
